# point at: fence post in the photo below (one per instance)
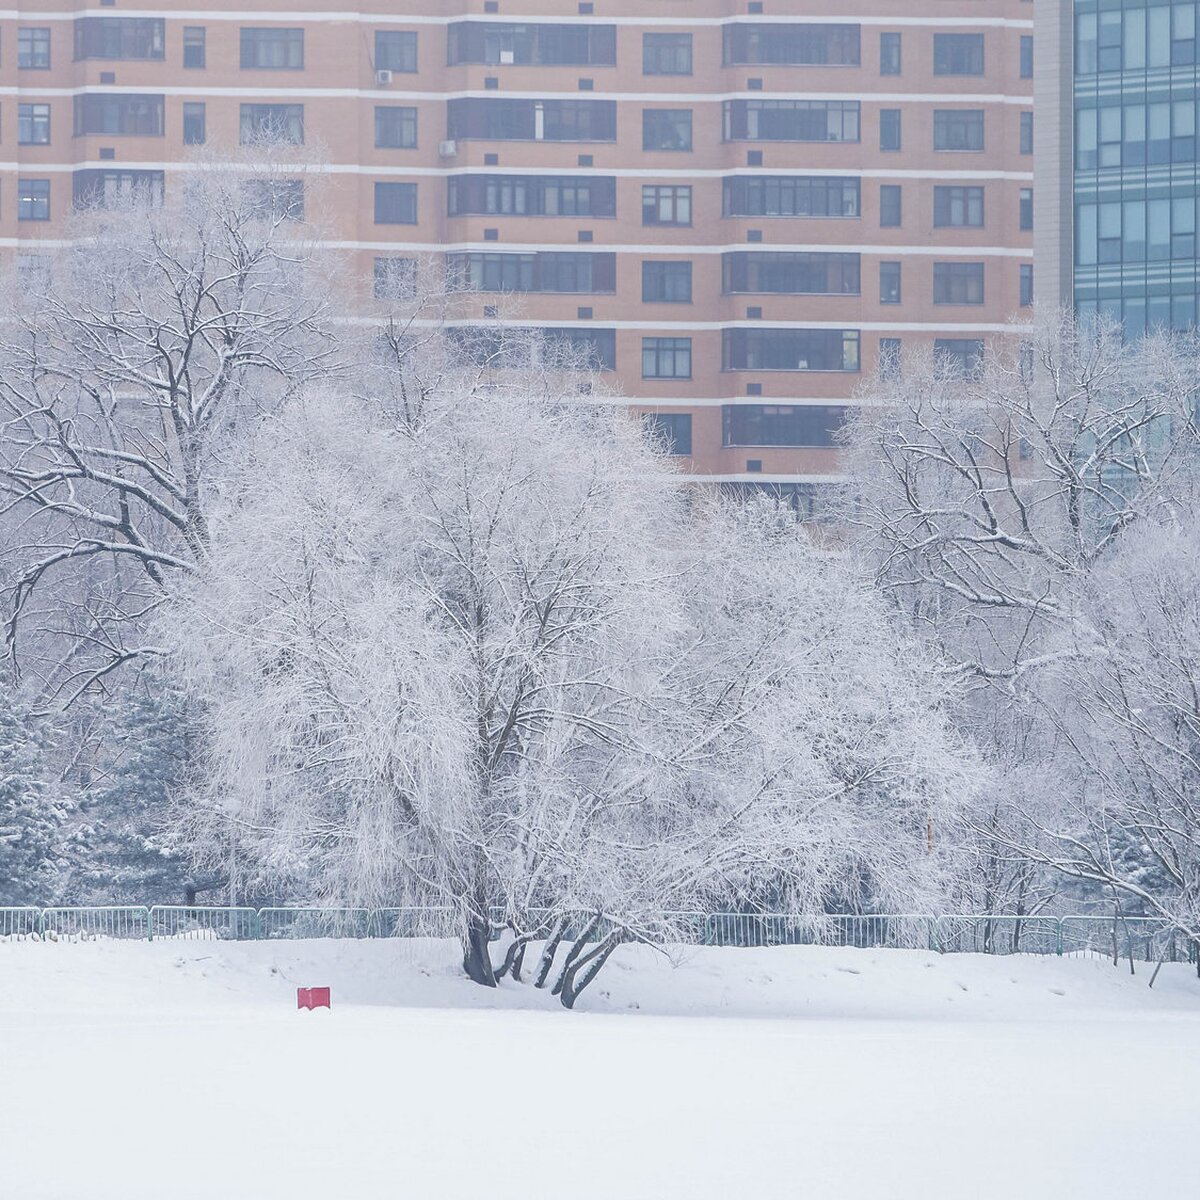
(1058, 936)
(42, 924)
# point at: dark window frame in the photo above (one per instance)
(402, 133)
(33, 48)
(667, 54)
(666, 281)
(959, 283)
(392, 198)
(257, 44)
(667, 130)
(959, 54)
(667, 358)
(33, 199)
(666, 196)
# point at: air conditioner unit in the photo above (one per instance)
(447, 149)
(383, 77)
(507, 58)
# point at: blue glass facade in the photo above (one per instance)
(1136, 166)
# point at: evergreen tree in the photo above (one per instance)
(31, 808)
(121, 856)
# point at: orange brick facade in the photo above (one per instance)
(806, 242)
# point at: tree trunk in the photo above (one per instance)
(518, 961)
(578, 976)
(575, 951)
(477, 959)
(549, 950)
(514, 956)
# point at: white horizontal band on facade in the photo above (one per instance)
(764, 477)
(322, 168)
(659, 249)
(383, 93)
(660, 402)
(370, 18)
(948, 326)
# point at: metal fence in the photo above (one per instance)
(1144, 939)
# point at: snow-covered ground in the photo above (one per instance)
(182, 1071)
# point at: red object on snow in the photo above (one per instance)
(312, 998)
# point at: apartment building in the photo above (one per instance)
(1119, 172)
(738, 207)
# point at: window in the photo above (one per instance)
(395, 278)
(565, 271)
(793, 44)
(958, 129)
(889, 205)
(791, 120)
(666, 204)
(666, 129)
(496, 43)
(1026, 57)
(33, 199)
(789, 350)
(958, 53)
(667, 282)
(33, 124)
(33, 54)
(272, 123)
(599, 346)
(532, 195)
(395, 203)
(119, 115)
(532, 120)
(666, 53)
(275, 199)
(964, 355)
(957, 283)
(396, 50)
(1027, 133)
(1026, 208)
(395, 127)
(889, 283)
(781, 424)
(1026, 285)
(791, 196)
(889, 54)
(1183, 36)
(790, 272)
(193, 46)
(889, 129)
(670, 431)
(889, 357)
(666, 358)
(1098, 41)
(272, 48)
(194, 132)
(958, 206)
(115, 188)
(119, 37)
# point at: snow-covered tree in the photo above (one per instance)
(163, 323)
(498, 659)
(995, 505)
(31, 809)
(119, 852)
(1126, 695)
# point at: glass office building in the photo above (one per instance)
(1135, 169)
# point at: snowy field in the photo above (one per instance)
(182, 1071)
